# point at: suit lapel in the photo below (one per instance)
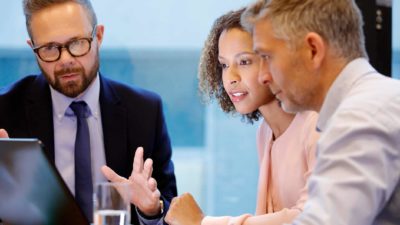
(40, 114)
(114, 122)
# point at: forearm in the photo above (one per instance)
(277, 218)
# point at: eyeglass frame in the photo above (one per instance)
(66, 46)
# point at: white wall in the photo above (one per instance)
(133, 23)
(143, 24)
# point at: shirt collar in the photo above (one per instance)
(90, 96)
(352, 72)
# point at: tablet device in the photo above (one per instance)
(31, 189)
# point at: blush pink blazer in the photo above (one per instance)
(285, 165)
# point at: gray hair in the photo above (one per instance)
(32, 6)
(338, 22)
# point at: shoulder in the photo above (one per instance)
(308, 117)
(263, 138)
(374, 99)
(372, 90)
(20, 85)
(307, 121)
(309, 135)
(264, 131)
(25, 87)
(263, 127)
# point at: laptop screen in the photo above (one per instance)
(31, 190)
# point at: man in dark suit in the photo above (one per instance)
(117, 119)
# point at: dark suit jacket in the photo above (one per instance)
(131, 118)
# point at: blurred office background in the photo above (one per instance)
(156, 45)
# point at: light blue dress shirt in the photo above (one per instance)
(65, 133)
(358, 154)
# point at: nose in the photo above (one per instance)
(264, 74)
(232, 76)
(66, 57)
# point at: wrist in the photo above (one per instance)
(157, 213)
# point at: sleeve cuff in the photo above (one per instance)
(153, 220)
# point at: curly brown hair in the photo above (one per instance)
(210, 71)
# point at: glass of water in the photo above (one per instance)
(111, 204)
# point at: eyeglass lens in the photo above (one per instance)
(76, 48)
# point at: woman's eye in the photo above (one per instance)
(245, 62)
(223, 65)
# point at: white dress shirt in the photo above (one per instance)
(358, 154)
(65, 132)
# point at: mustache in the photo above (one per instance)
(68, 71)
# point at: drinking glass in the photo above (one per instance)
(111, 204)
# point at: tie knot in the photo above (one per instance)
(80, 109)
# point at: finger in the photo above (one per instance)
(152, 184)
(170, 217)
(111, 175)
(148, 168)
(156, 195)
(138, 161)
(174, 201)
(3, 133)
(188, 195)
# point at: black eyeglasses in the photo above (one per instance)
(77, 47)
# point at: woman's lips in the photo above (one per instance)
(237, 96)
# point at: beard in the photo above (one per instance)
(72, 88)
(303, 91)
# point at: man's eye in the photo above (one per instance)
(49, 48)
(78, 42)
(265, 57)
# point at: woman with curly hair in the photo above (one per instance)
(228, 72)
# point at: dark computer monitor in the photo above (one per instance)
(31, 189)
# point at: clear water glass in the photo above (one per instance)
(111, 204)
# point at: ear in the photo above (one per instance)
(100, 34)
(316, 49)
(29, 42)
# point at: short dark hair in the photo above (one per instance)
(32, 6)
(210, 72)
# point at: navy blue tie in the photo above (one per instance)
(83, 171)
